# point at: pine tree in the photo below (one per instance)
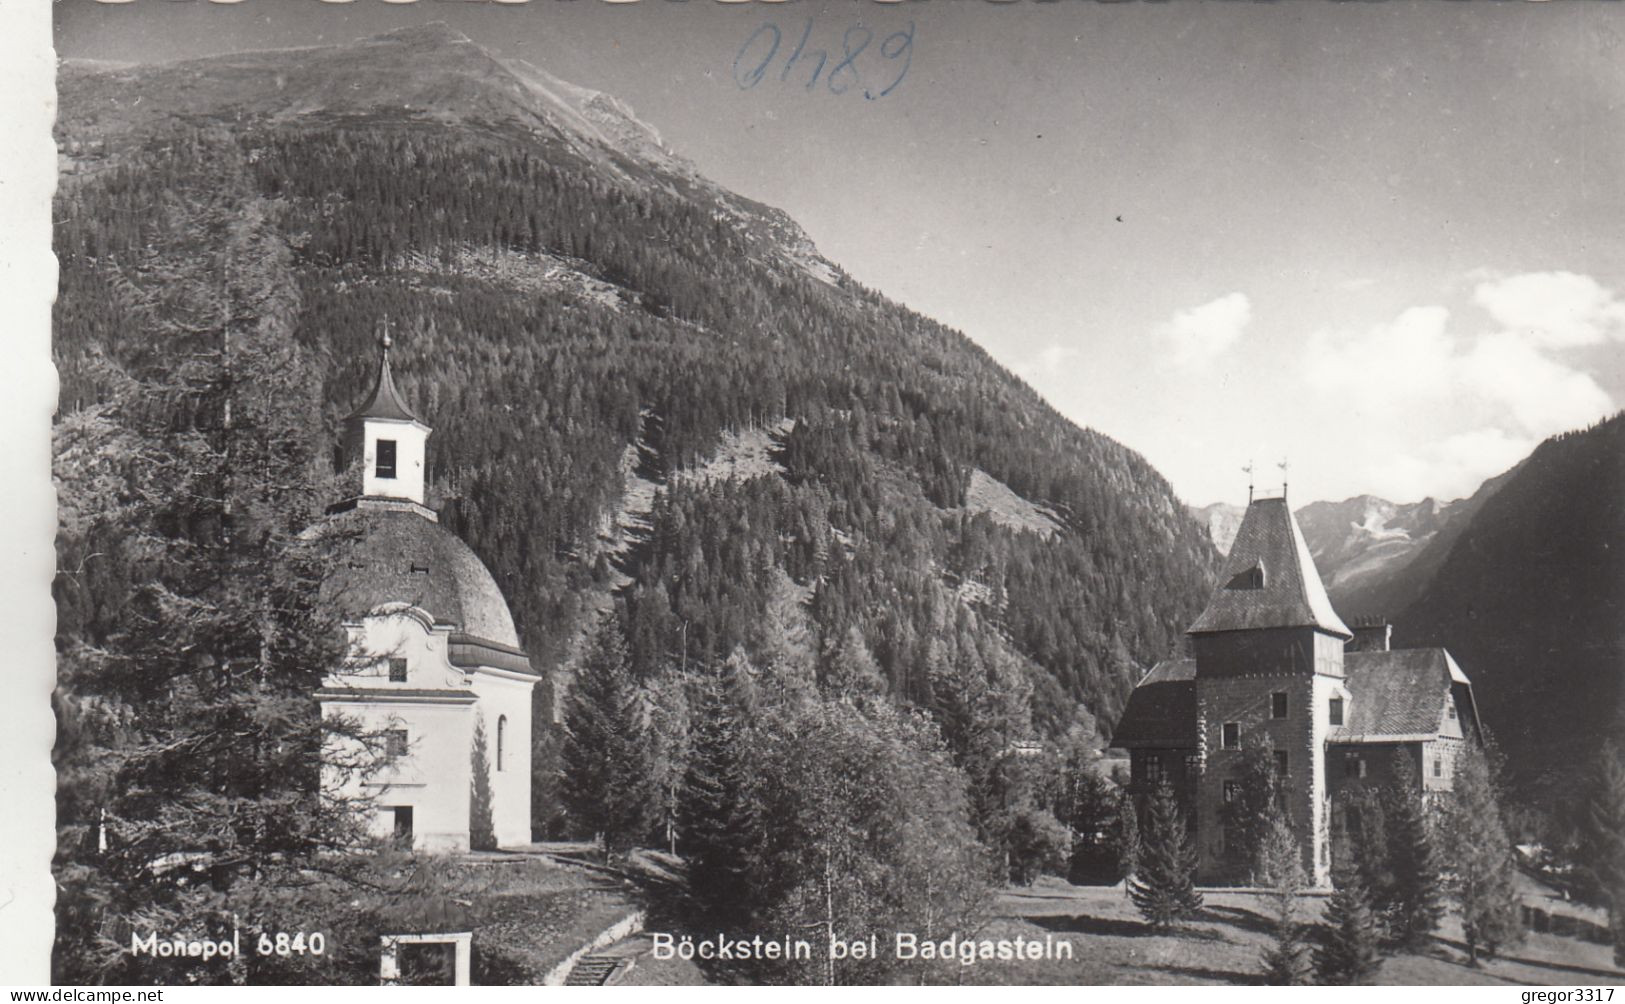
(605, 777)
(717, 812)
(1481, 877)
(1280, 868)
(1095, 804)
(1348, 954)
(1413, 859)
(1164, 885)
(1601, 849)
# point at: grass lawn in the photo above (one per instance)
(1113, 945)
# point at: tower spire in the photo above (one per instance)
(388, 436)
(1249, 472)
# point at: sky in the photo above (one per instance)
(1380, 242)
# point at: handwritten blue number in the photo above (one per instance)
(754, 76)
(846, 62)
(904, 48)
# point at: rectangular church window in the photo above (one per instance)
(397, 670)
(1278, 704)
(395, 742)
(1232, 735)
(1335, 710)
(403, 824)
(386, 458)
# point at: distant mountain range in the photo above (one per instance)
(1371, 553)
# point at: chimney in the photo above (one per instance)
(1371, 634)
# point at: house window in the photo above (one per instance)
(1335, 711)
(1153, 769)
(1231, 735)
(502, 738)
(1451, 711)
(1280, 763)
(397, 670)
(395, 742)
(1353, 765)
(1231, 790)
(1438, 766)
(1193, 764)
(1278, 704)
(386, 458)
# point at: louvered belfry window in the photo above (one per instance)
(386, 458)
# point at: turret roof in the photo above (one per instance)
(1269, 579)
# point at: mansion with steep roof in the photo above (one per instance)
(1274, 665)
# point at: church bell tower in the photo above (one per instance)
(390, 441)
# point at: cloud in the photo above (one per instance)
(1553, 309)
(1411, 357)
(1430, 404)
(1199, 334)
(1543, 395)
(1452, 468)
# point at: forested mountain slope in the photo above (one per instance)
(1530, 598)
(561, 287)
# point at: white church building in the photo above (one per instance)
(435, 661)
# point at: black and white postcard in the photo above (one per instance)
(830, 492)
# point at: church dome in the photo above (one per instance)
(389, 555)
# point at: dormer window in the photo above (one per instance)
(386, 458)
(1248, 578)
(1335, 711)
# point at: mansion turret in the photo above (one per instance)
(1274, 666)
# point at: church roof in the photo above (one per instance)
(1396, 694)
(1269, 580)
(1161, 712)
(397, 556)
(385, 401)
